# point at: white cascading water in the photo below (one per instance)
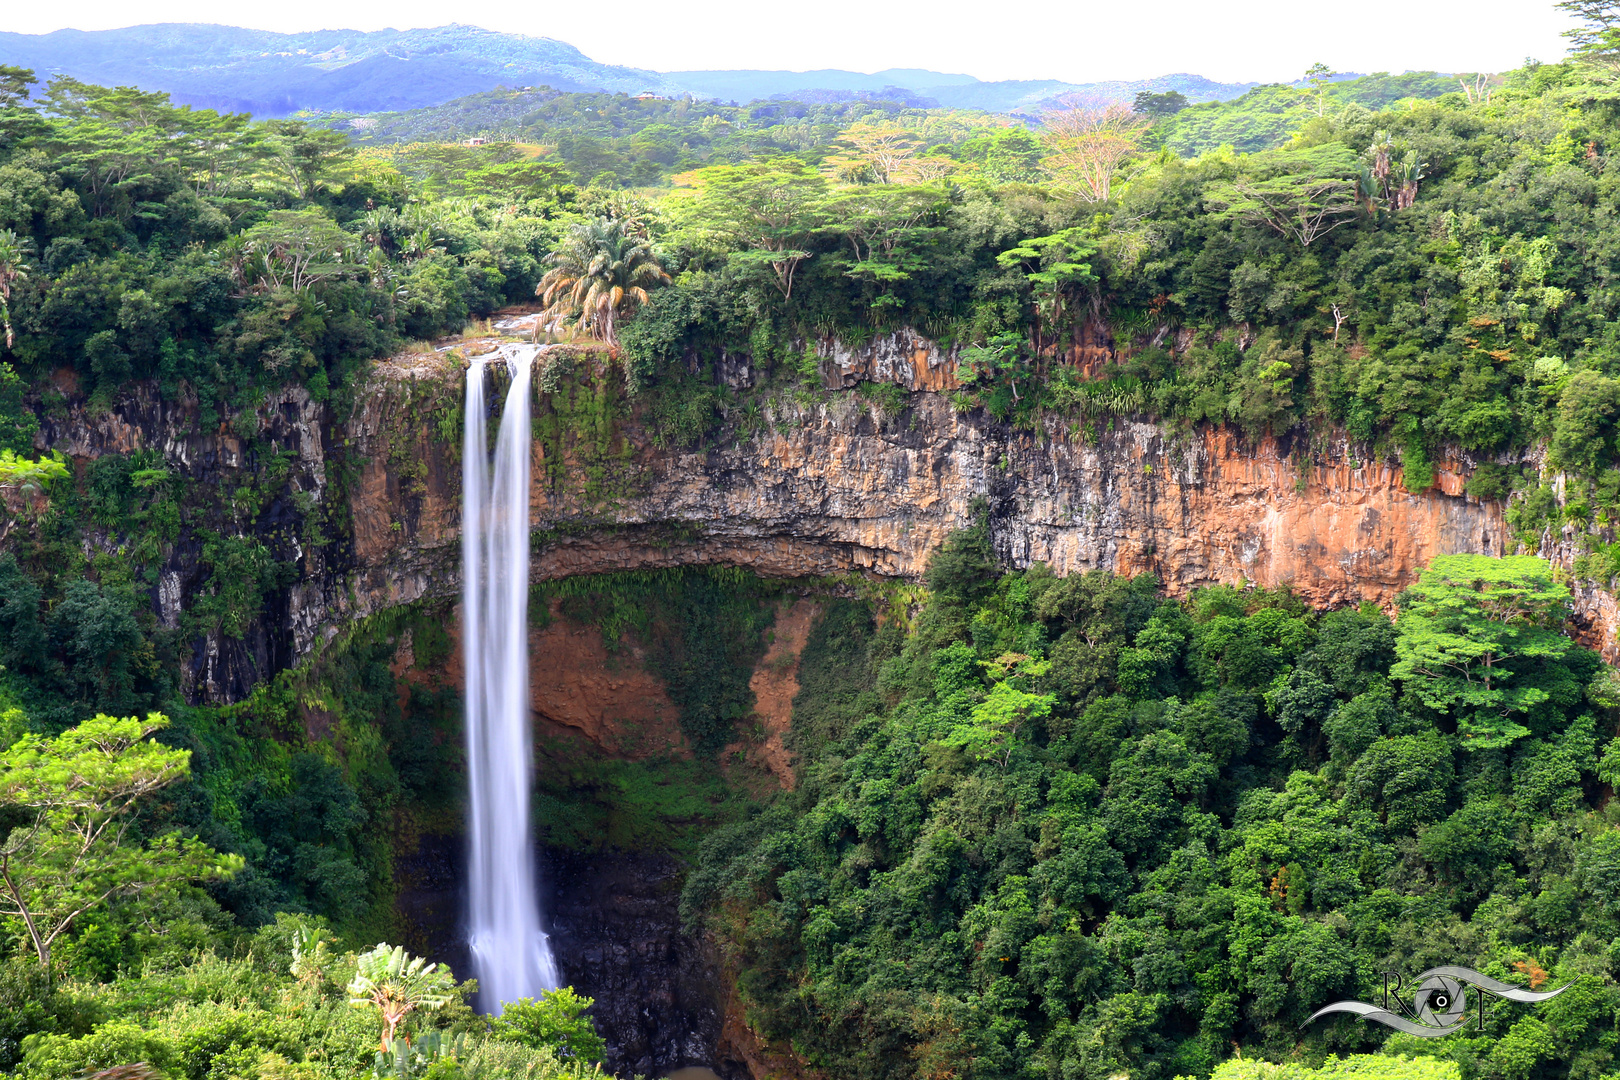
(510, 951)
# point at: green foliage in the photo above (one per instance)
(1596, 40)
(1285, 265)
(602, 270)
(1057, 827)
(992, 728)
(1268, 116)
(1076, 828)
(25, 476)
(492, 1059)
(1379, 1066)
(72, 849)
(1468, 628)
(116, 1043)
(555, 1021)
(204, 1015)
(765, 214)
(242, 571)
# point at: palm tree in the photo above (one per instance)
(13, 269)
(601, 269)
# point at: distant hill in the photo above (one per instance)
(744, 86)
(269, 74)
(1268, 116)
(948, 91)
(1035, 94)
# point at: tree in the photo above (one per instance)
(1354, 1067)
(216, 152)
(1597, 41)
(889, 230)
(1583, 437)
(1000, 357)
(1054, 268)
(764, 213)
(556, 1021)
(1158, 106)
(311, 950)
(14, 84)
(1088, 145)
(22, 481)
(115, 138)
(1318, 76)
(992, 732)
(304, 155)
(1302, 195)
(290, 249)
(396, 984)
(515, 181)
(77, 793)
(876, 153)
(1404, 780)
(1383, 179)
(1463, 627)
(13, 268)
(601, 269)
(1008, 155)
(17, 120)
(1477, 89)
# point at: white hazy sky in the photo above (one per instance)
(1077, 40)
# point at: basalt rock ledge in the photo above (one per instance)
(838, 486)
(821, 484)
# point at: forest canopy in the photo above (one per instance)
(1428, 274)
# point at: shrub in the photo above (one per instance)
(555, 1021)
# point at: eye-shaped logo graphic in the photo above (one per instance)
(1440, 1003)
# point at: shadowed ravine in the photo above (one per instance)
(616, 936)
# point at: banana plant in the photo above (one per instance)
(396, 984)
(401, 1059)
(312, 954)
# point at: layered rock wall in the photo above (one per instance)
(829, 487)
(837, 487)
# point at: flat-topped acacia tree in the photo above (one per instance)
(1465, 631)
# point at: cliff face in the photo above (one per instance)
(213, 463)
(837, 486)
(828, 487)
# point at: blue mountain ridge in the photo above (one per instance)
(273, 74)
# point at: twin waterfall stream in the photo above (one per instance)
(510, 953)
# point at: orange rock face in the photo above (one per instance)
(775, 683)
(1339, 531)
(829, 487)
(579, 690)
(904, 357)
(611, 699)
(836, 487)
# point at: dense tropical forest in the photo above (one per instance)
(1044, 827)
(1064, 827)
(647, 140)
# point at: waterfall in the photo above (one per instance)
(510, 954)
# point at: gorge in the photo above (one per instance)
(829, 495)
